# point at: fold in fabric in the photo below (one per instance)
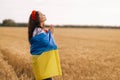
(46, 65)
(45, 56)
(42, 43)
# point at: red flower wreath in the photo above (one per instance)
(33, 15)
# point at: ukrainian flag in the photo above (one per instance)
(46, 62)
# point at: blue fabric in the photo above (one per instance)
(42, 43)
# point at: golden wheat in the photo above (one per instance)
(86, 54)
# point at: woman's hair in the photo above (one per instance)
(33, 23)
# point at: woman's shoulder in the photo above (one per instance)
(38, 31)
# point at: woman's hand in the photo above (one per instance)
(51, 28)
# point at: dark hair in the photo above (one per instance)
(32, 24)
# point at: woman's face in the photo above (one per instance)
(42, 17)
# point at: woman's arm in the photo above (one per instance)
(51, 28)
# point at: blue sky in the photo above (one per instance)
(84, 12)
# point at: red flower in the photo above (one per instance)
(33, 15)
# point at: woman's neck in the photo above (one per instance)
(42, 25)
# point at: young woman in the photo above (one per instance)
(45, 57)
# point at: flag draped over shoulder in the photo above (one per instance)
(46, 62)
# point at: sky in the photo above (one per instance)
(64, 12)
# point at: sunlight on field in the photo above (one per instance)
(86, 54)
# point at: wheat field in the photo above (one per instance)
(85, 54)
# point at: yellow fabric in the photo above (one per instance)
(46, 65)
